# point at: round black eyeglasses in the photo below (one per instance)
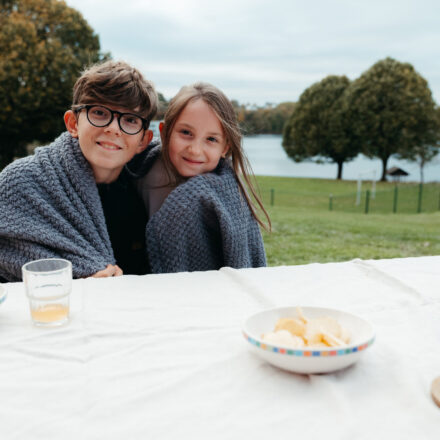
(101, 116)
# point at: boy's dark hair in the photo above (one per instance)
(117, 84)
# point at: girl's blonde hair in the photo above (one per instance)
(225, 112)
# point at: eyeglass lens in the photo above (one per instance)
(102, 116)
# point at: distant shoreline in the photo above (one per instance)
(268, 158)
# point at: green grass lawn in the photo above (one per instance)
(305, 231)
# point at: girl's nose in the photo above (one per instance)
(195, 146)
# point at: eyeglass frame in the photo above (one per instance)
(80, 107)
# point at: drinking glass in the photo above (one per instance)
(48, 285)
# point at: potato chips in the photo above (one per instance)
(299, 332)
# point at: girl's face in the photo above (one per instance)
(197, 141)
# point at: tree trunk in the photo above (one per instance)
(384, 169)
(422, 165)
(340, 164)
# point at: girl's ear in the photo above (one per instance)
(71, 123)
(225, 151)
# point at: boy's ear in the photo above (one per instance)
(146, 139)
(71, 123)
(161, 125)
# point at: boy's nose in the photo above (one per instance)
(114, 126)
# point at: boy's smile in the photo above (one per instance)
(107, 149)
(109, 145)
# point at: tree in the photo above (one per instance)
(392, 111)
(424, 153)
(268, 119)
(44, 45)
(279, 115)
(161, 108)
(317, 129)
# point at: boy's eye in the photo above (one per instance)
(99, 112)
(131, 119)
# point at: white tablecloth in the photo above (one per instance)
(163, 357)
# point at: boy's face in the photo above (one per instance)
(107, 149)
(197, 141)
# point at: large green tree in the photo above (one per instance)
(318, 129)
(44, 44)
(392, 111)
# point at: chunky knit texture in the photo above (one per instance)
(50, 207)
(204, 224)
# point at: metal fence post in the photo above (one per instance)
(367, 201)
(395, 200)
(330, 202)
(419, 205)
(272, 197)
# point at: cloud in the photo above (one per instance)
(260, 50)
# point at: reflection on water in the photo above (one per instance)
(268, 158)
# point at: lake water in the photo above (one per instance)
(268, 158)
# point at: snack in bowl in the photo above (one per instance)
(308, 340)
(300, 331)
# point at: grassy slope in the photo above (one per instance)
(308, 232)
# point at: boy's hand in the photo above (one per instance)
(110, 271)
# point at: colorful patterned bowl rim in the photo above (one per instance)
(310, 352)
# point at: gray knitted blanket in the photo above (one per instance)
(204, 224)
(50, 207)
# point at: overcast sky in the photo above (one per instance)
(260, 51)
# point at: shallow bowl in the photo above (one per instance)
(308, 360)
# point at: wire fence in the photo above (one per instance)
(406, 199)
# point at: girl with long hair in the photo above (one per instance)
(204, 211)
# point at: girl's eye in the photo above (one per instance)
(185, 132)
(212, 139)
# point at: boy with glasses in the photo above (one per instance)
(76, 198)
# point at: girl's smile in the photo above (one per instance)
(192, 161)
